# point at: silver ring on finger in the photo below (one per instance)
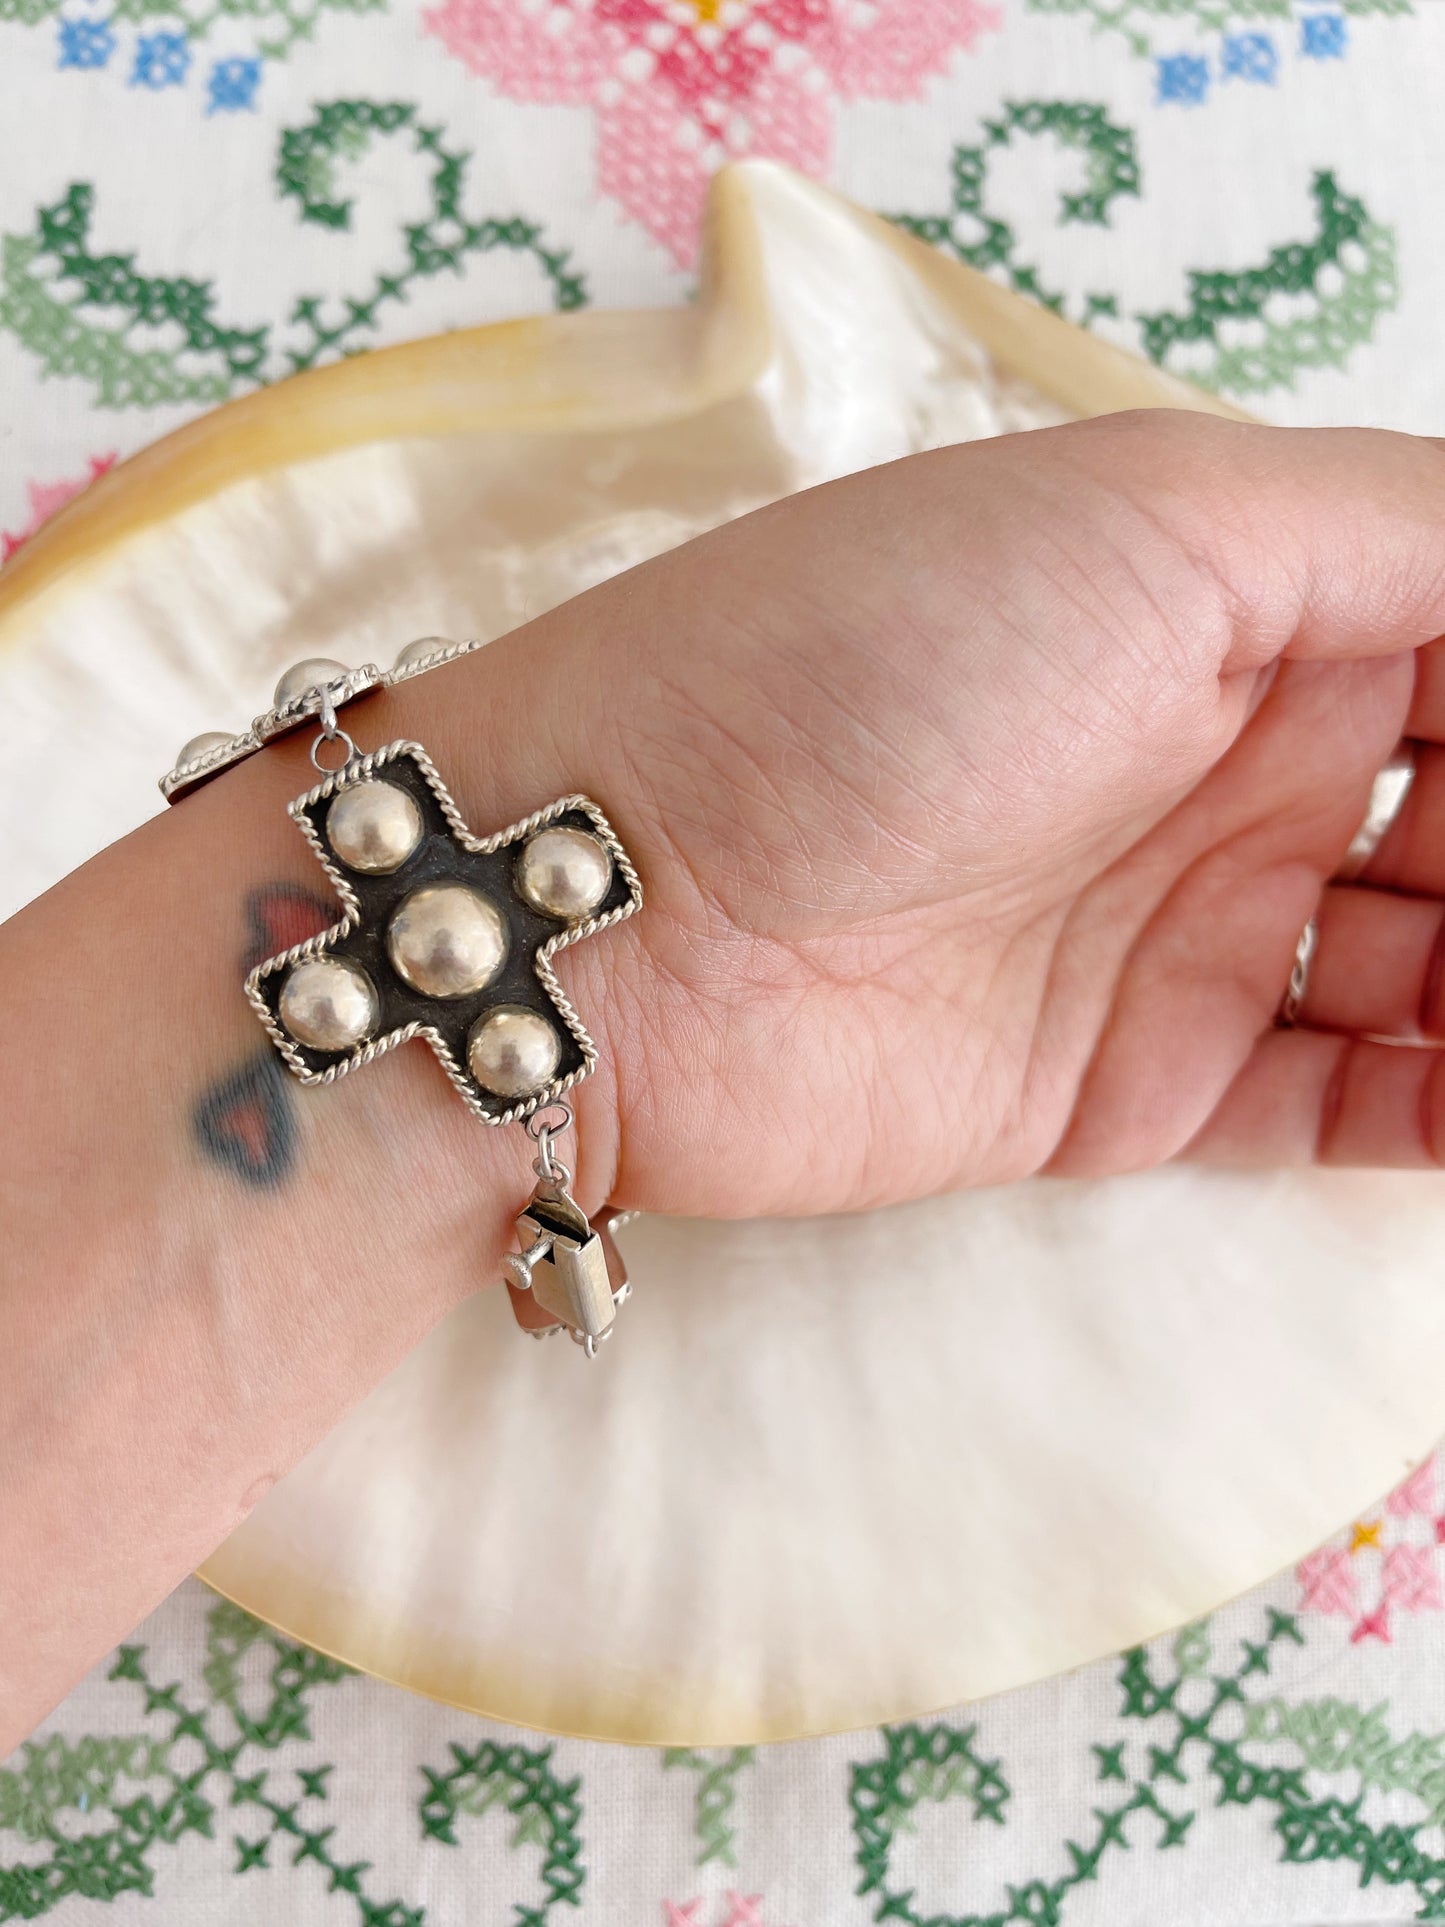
(1299, 977)
(1387, 798)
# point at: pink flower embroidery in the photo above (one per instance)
(680, 86)
(1409, 1580)
(45, 499)
(1375, 1625)
(1384, 1565)
(743, 1911)
(1415, 1494)
(1327, 1582)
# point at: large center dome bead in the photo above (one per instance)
(446, 940)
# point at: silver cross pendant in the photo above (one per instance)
(446, 936)
(450, 937)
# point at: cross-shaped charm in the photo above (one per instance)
(446, 936)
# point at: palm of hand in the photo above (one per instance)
(985, 801)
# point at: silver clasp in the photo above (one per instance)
(571, 1266)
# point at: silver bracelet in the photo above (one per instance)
(450, 937)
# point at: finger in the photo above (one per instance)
(1411, 854)
(1307, 1098)
(1242, 863)
(1377, 965)
(1326, 543)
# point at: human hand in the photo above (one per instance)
(981, 800)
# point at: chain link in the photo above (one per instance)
(548, 1167)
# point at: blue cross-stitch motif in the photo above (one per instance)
(1323, 36)
(86, 43)
(1251, 56)
(161, 60)
(1182, 77)
(233, 84)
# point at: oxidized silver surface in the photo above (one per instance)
(447, 853)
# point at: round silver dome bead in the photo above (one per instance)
(198, 746)
(446, 941)
(513, 1051)
(328, 1004)
(564, 872)
(311, 673)
(424, 649)
(373, 827)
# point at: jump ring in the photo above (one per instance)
(337, 735)
(553, 1171)
(535, 1125)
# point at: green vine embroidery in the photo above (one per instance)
(233, 1762)
(293, 20)
(1334, 1736)
(306, 171)
(1242, 332)
(167, 344)
(49, 278)
(934, 1763)
(1192, 1650)
(715, 1797)
(288, 22)
(209, 1764)
(1196, 1727)
(1138, 20)
(984, 241)
(521, 1781)
(1348, 272)
(57, 1775)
